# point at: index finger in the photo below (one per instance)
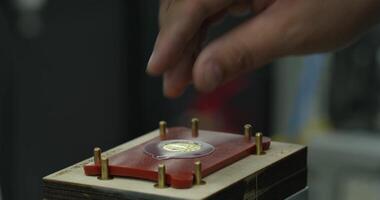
(181, 21)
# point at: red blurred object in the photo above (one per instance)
(134, 163)
(217, 111)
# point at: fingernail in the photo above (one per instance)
(213, 77)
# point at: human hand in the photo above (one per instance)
(279, 28)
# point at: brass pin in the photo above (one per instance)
(104, 169)
(248, 132)
(161, 179)
(162, 125)
(259, 143)
(97, 155)
(194, 127)
(198, 173)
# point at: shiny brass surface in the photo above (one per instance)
(97, 155)
(161, 179)
(163, 127)
(259, 143)
(248, 132)
(198, 173)
(194, 127)
(104, 169)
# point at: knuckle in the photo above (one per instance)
(243, 56)
(197, 8)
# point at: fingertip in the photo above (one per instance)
(152, 72)
(172, 89)
(171, 94)
(152, 69)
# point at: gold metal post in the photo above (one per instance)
(194, 127)
(162, 125)
(259, 143)
(161, 176)
(198, 173)
(97, 155)
(104, 167)
(248, 132)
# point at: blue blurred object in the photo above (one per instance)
(310, 76)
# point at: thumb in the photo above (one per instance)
(250, 45)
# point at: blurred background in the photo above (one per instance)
(72, 76)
